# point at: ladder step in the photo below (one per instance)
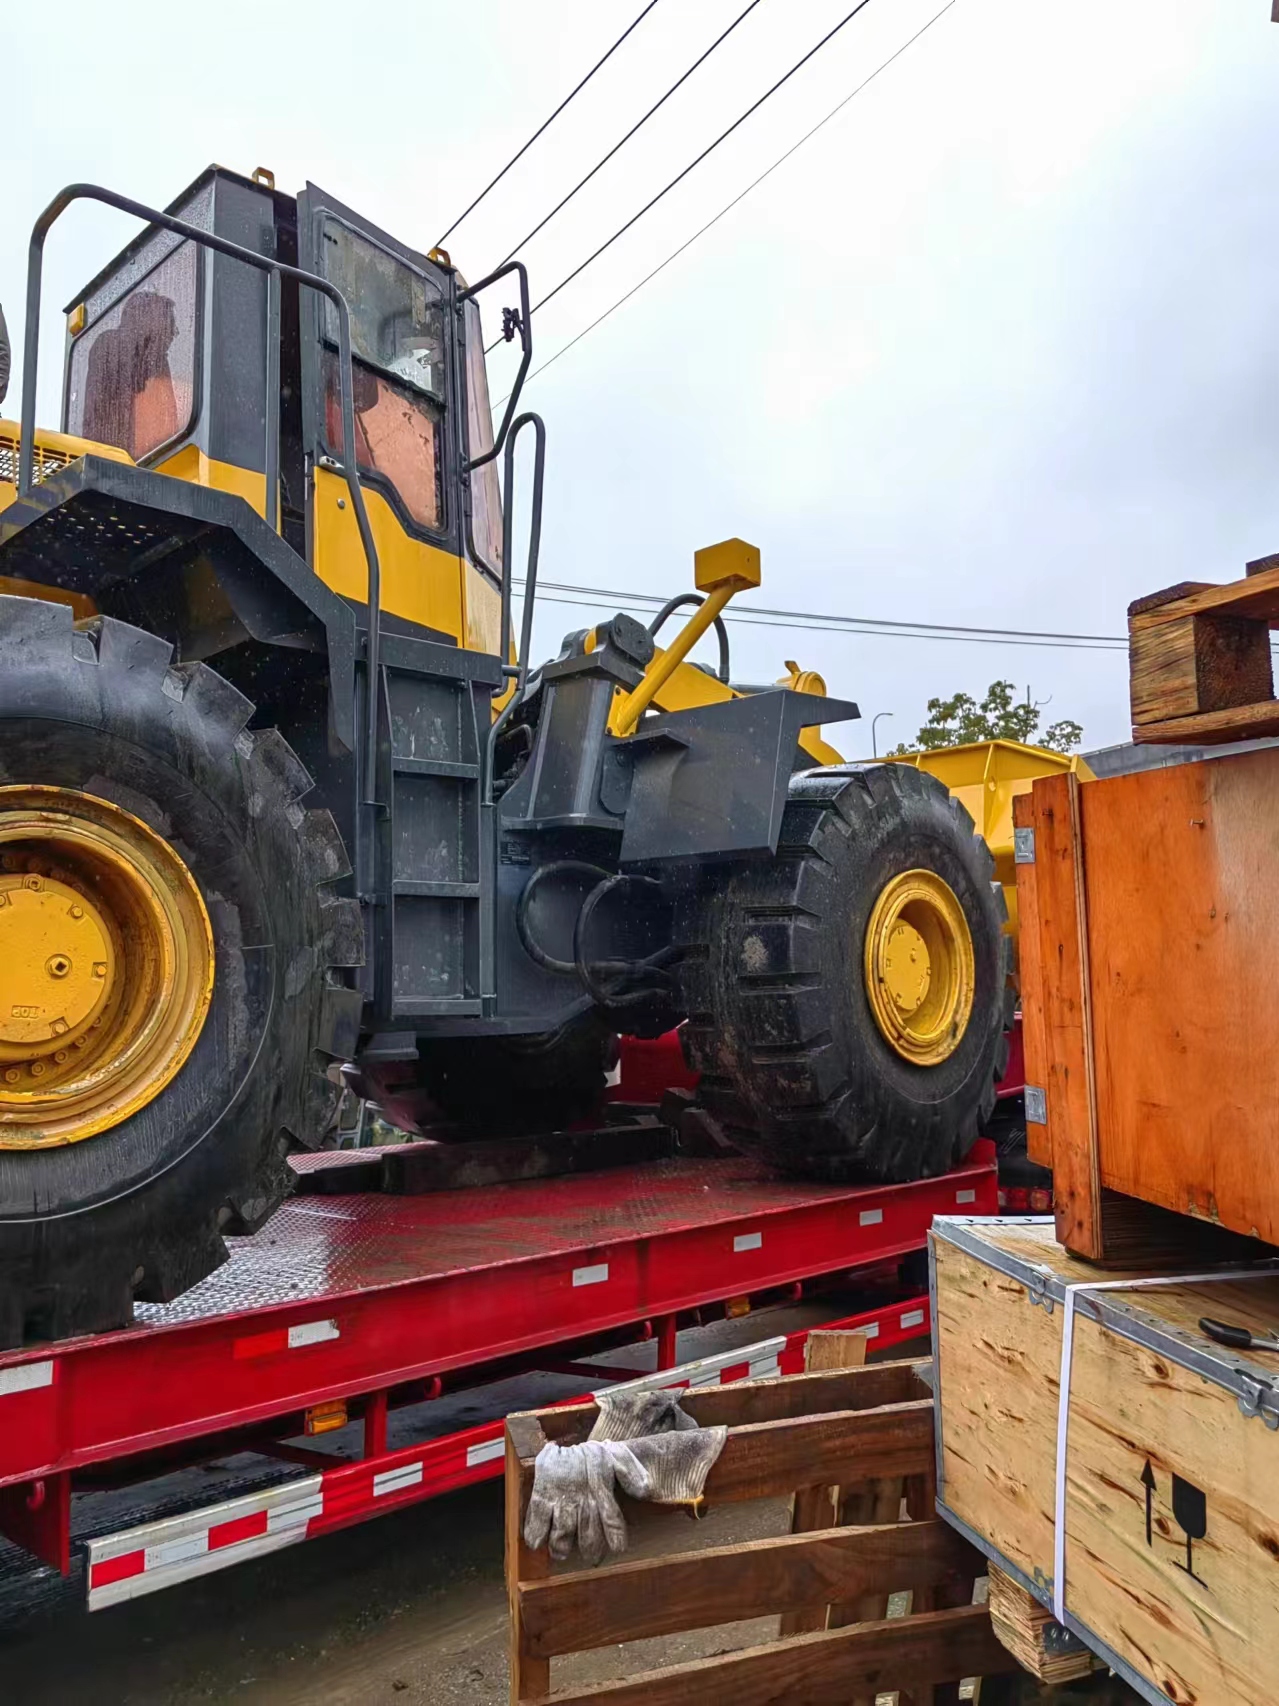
(435, 767)
(436, 891)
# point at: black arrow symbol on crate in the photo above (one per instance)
(1148, 1482)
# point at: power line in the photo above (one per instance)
(764, 616)
(708, 150)
(728, 208)
(617, 146)
(549, 122)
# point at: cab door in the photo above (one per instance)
(406, 426)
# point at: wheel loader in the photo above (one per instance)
(279, 790)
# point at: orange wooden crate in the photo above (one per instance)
(1150, 988)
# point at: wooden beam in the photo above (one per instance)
(1031, 1634)
(820, 1670)
(768, 1458)
(748, 1401)
(1066, 1008)
(662, 1596)
(529, 1675)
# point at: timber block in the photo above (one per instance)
(1199, 666)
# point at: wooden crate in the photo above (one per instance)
(1150, 989)
(1171, 1509)
(830, 1429)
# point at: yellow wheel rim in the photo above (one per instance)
(106, 966)
(919, 967)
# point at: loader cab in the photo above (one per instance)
(168, 360)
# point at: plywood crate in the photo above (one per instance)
(1171, 1507)
(1150, 989)
(811, 1435)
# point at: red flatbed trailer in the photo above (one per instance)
(375, 1300)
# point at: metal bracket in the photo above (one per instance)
(1036, 1104)
(1260, 1399)
(1037, 1292)
(1023, 846)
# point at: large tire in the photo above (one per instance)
(139, 1210)
(793, 1063)
(498, 1086)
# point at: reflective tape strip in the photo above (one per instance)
(594, 1275)
(869, 1331)
(870, 1217)
(965, 1196)
(25, 1377)
(313, 1333)
(396, 1480)
(748, 1241)
(486, 1452)
(765, 1369)
(158, 1554)
(912, 1318)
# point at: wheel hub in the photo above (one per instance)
(106, 966)
(920, 968)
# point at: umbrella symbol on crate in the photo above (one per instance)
(1190, 1507)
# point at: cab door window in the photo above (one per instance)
(397, 348)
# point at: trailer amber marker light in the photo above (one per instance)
(327, 1418)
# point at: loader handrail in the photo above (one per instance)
(277, 270)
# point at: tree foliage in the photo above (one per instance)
(960, 720)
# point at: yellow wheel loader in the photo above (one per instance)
(278, 790)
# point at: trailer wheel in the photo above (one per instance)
(167, 946)
(497, 1086)
(849, 1000)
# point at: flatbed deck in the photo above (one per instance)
(370, 1300)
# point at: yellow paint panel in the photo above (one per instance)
(420, 582)
(191, 464)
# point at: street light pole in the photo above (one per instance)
(874, 749)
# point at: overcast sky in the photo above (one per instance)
(997, 346)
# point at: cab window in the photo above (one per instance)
(131, 376)
(397, 348)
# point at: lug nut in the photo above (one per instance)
(99, 968)
(61, 1054)
(12, 1075)
(77, 912)
(60, 1027)
(37, 1068)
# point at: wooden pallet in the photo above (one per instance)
(832, 1429)
(1199, 666)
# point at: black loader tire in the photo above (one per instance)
(139, 1210)
(498, 1086)
(793, 1064)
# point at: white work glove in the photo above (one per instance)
(638, 1413)
(573, 1497)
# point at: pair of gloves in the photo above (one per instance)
(643, 1442)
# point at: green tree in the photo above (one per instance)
(960, 720)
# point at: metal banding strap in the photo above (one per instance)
(1063, 1392)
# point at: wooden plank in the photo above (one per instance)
(413, 1169)
(768, 1458)
(1185, 986)
(819, 1670)
(1248, 722)
(748, 1401)
(662, 1596)
(1256, 596)
(529, 1675)
(1033, 1636)
(1030, 982)
(1067, 1014)
(815, 1507)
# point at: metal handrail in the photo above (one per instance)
(520, 669)
(278, 270)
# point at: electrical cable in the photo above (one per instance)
(766, 616)
(639, 125)
(548, 123)
(729, 206)
(693, 164)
